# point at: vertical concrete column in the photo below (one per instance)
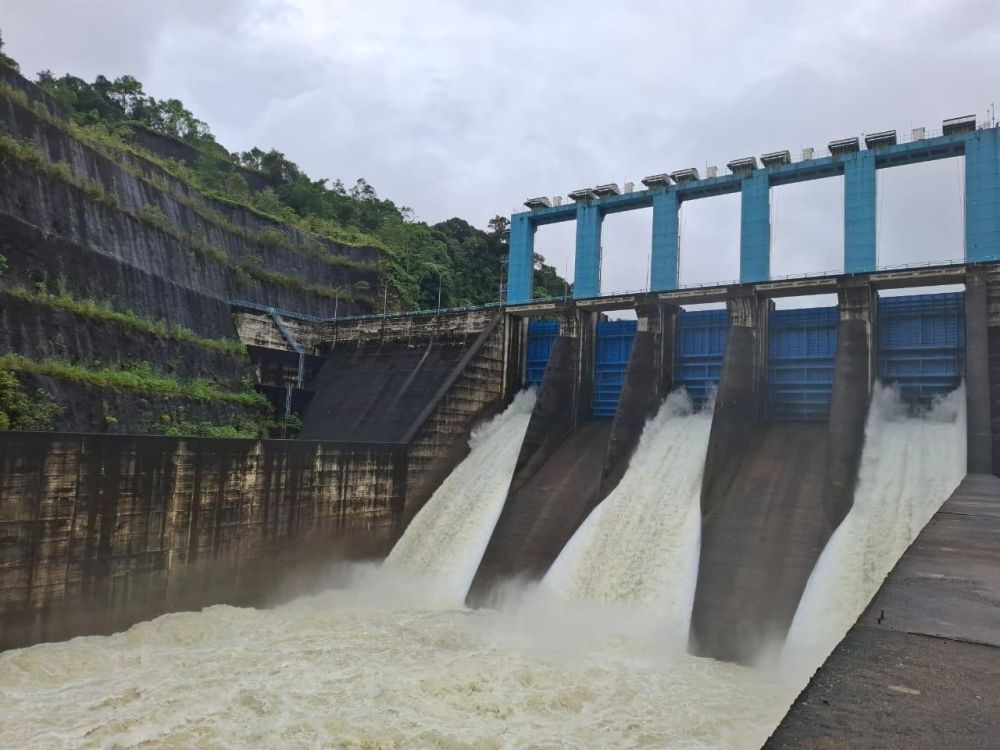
(587, 277)
(854, 371)
(993, 341)
(514, 355)
(982, 195)
(565, 392)
(521, 250)
(741, 400)
(665, 257)
(860, 252)
(979, 428)
(755, 229)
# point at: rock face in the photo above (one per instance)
(92, 221)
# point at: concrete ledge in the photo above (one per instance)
(921, 668)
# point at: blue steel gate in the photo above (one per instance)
(802, 347)
(921, 344)
(701, 343)
(611, 355)
(541, 336)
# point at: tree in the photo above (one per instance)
(6, 60)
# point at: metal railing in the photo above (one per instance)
(256, 307)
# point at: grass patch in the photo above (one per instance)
(99, 310)
(139, 377)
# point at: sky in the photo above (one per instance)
(454, 108)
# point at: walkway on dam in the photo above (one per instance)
(921, 667)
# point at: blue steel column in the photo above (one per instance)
(665, 257)
(521, 250)
(755, 229)
(859, 213)
(587, 278)
(982, 195)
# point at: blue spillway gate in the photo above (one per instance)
(541, 336)
(802, 347)
(700, 345)
(921, 344)
(611, 354)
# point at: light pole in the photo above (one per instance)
(440, 276)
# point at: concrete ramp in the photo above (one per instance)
(760, 541)
(543, 513)
(378, 392)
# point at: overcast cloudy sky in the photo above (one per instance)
(457, 109)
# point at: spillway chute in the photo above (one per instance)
(446, 539)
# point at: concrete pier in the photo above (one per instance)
(774, 491)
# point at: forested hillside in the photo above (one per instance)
(463, 260)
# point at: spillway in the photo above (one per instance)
(640, 545)
(446, 539)
(384, 659)
(909, 467)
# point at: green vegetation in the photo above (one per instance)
(465, 262)
(178, 424)
(100, 310)
(23, 411)
(7, 61)
(137, 377)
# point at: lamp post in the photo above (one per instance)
(440, 277)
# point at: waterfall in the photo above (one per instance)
(640, 545)
(446, 539)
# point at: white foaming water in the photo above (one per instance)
(640, 545)
(909, 467)
(446, 540)
(374, 666)
(384, 662)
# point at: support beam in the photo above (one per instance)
(854, 373)
(859, 213)
(587, 277)
(666, 246)
(521, 251)
(982, 195)
(755, 229)
(979, 428)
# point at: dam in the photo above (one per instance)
(528, 523)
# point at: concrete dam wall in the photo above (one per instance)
(99, 531)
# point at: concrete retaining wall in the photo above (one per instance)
(98, 532)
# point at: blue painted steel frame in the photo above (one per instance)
(802, 348)
(981, 149)
(541, 336)
(922, 344)
(612, 352)
(701, 343)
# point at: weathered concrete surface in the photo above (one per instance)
(98, 531)
(977, 374)
(544, 512)
(774, 492)
(854, 372)
(760, 541)
(921, 667)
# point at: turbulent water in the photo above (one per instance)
(910, 466)
(640, 545)
(446, 539)
(381, 661)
